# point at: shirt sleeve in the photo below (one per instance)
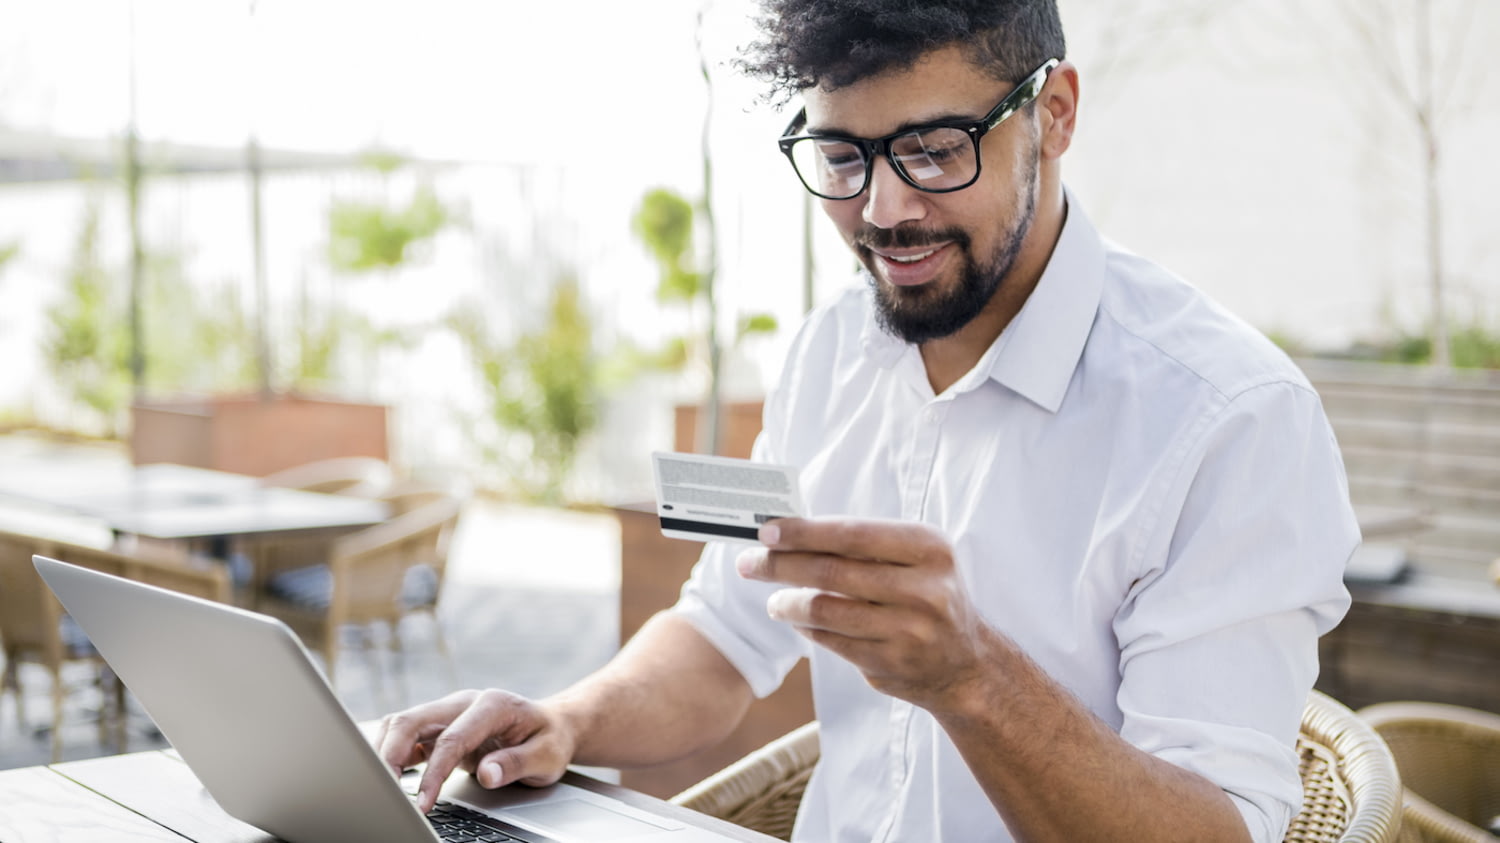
(730, 611)
(1218, 634)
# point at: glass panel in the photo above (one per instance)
(938, 159)
(833, 167)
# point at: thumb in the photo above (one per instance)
(524, 763)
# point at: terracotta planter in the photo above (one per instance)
(739, 424)
(251, 435)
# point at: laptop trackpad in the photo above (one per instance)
(574, 817)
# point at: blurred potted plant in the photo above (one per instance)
(542, 392)
(666, 223)
(270, 429)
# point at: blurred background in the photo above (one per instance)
(510, 249)
(442, 208)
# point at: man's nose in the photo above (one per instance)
(889, 200)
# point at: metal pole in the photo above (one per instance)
(133, 215)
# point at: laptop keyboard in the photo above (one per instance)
(458, 824)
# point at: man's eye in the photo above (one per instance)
(946, 148)
(943, 154)
(838, 156)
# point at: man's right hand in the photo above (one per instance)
(498, 736)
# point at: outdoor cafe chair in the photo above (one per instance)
(1449, 758)
(363, 476)
(1349, 781)
(35, 629)
(377, 576)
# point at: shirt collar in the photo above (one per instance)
(1037, 352)
(1041, 347)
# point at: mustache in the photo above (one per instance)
(907, 237)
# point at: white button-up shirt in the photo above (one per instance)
(1142, 492)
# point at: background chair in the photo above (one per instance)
(364, 476)
(1449, 758)
(367, 477)
(763, 790)
(35, 629)
(1349, 782)
(377, 576)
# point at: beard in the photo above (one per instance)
(929, 312)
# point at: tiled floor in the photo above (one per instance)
(530, 604)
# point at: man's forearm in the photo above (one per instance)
(667, 694)
(1055, 772)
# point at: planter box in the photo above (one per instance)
(739, 424)
(251, 435)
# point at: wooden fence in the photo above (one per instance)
(1429, 441)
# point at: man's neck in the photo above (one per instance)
(951, 357)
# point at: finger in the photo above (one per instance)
(896, 542)
(529, 763)
(486, 715)
(403, 735)
(859, 578)
(377, 738)
(811, 608)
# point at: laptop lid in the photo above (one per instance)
(246, 707)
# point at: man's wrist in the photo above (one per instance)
(1000, 673)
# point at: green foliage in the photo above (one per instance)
(1287, 342)
(1473, 346)
(194, 340)
(546, 387)
(8, 253)
(198, 338)
(87, 347)
(321, 334)
(365, 236)
(755, 323)
(664, 222)
(382, 161)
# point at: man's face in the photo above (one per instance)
(936, 260)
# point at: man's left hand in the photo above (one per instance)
(884, 595)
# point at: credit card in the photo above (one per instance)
(707, 498)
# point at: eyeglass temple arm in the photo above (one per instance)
(799, 121)
(1024, 93)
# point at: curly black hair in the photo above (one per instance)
(835, 43)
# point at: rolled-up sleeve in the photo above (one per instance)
(729, 610)
(1218, 637)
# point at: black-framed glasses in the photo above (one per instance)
(936, 158)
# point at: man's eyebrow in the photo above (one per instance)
(936, 120)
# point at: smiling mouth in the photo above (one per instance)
(909, 258)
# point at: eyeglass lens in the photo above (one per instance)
(935, 159)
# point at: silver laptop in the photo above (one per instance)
(250, 712)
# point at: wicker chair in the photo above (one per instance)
(376, 576)
(1449, 758)
(35, 629)
(1349, 781)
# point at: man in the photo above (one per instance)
(1076, 529)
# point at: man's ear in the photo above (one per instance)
(1057, 107)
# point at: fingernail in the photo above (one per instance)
(743, 564)
(490, 774)
(770, 533)
(773, 604)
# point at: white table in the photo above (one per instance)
(177, 502)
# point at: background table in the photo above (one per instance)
(178, 502)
